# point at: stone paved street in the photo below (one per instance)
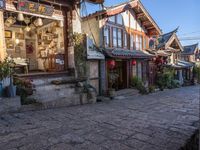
(160, 121)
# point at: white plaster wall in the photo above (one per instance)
(92, 26)
(76, 21)
(2, 38)
(125, 16)
(132, 20)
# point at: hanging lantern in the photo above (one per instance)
(154, 58)
(39, 22)
(133, 62)
(27, 29)
(60, 24)
(20, 17)
(111, 64)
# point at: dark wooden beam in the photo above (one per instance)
(140, 15)
(144, 23)
(152, 27)
(96, 1)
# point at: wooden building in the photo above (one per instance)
(123, 31)
(38, 35)
(169, 43)
(190, 53)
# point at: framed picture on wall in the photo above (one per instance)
(10, 44)
(19, 36)
(17, 49)
(8, 34)
(30, 46)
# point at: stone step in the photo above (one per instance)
(127, 92)
(51, 92)
(47, 81)
(73, 100)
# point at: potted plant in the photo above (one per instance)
(112, 79)
(8, 71)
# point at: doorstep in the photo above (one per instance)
(8, 105)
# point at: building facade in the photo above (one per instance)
(38, 35)
(123, 33)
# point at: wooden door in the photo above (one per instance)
(152, 73)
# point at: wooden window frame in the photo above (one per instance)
(109, 38)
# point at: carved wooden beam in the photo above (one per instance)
(95, 1)
(144, 23)
(140, 15)
(152, 27)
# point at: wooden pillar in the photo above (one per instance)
(2, 38)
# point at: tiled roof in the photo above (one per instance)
(126, 54)
(163, 39)
(181, 64)
(189, 49)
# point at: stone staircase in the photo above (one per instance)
(51, 95)
(121, 94)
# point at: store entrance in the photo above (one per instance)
(36, 44)
(119, 73)
(121, 67)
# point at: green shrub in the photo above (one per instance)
(165, 79)
(138, 84)
(175, 83)
(151, 89)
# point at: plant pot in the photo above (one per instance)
(111, 93)
(11, 91)
(1, 89)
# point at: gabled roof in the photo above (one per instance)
(190, 49)
(167, 39)
(141, 13)
(163, 39)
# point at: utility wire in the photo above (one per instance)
(190, 33)
(89, 23)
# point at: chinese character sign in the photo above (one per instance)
(33, 7)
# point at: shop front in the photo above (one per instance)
(123, 65)
(34, 36)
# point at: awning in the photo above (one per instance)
(181, 65)
(185, 64)
(158, 52)
(127, 54)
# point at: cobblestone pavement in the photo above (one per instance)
(160, 121)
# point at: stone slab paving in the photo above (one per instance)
(159, 121)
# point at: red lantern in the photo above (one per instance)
(111, 64)
(133, 62)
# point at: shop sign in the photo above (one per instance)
(92, 52)
(32, 7)
(2, 4)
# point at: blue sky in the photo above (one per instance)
(170, 14)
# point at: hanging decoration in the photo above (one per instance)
(111, 64)
(20, 17)
(133, 62)
(60, 23)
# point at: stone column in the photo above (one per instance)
(2, 38)
(180, 74)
